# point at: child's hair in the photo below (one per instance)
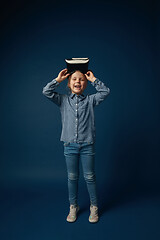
(71, 74)
(67, 87)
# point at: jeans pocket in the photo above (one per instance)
(90, 143)
(66, 144)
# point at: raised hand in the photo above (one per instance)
(62, 75)
(90, 76)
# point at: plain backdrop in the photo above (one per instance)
(121, 39)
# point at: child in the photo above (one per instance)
(78, 132)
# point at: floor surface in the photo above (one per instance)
(36, 213)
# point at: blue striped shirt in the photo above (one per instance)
(77, 111)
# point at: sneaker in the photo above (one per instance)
(93, 218)
(72, 216)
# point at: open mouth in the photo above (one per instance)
(77, 86)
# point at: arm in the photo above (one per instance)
(102, 90)
(49, 89)
(50, 93)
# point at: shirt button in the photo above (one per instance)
(76, 104)
(76, 110)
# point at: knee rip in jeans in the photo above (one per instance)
(73, 176)
(90, 176)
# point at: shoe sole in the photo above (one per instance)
(93, 221)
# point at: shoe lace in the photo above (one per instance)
(72, 211)
(94, 211)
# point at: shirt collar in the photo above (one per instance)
(81, 96)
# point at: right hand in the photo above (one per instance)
(62, 75)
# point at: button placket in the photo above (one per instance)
(76, 123)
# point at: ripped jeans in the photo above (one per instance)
(85, 152)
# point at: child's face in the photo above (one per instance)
(77, 82)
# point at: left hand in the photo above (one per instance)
(90, 76)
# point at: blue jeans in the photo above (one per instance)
(86, 153)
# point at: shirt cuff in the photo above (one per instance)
(54, 81)
(95, 83)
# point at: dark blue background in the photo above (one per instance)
(121, 39)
